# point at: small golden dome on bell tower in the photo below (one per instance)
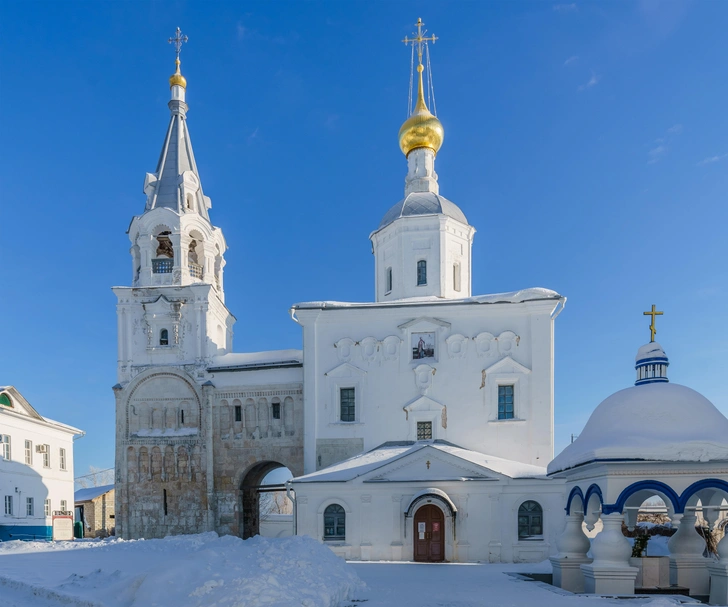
(177, 79)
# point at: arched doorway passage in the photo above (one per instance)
(263, 497)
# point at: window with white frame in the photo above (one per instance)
(29, 507)
(47, 507)
(47, 456)
(456, 277)
(9, 505)
(5, 446)
(530, 521)
(506, 400)
(347, 404)
(388, 286)
(62, 459)
(64, 505)
(29, 452)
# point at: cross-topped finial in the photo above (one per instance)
(178, 40)
(652, 313)
(420, 39)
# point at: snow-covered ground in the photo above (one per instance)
(211, 571)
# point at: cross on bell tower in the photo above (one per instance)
(653, 313)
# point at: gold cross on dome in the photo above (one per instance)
(653, 313)
(178, 40)
(420, 39)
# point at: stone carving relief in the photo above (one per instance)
(507, 342)
(369, 349)
(345, 349)
(457, 346)
(485, 344)
(423, 377)
(390, 347)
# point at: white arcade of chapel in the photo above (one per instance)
(418, 426)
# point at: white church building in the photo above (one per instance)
(418, 426)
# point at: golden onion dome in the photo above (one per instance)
(422, 129)
(177, 78)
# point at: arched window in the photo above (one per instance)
(164, 337)
(421, 272)
(530, 521)
(5, 400)
(388, 288)
(334, 522)
(182, 417)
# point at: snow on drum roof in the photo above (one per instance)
(658, 422)
(422, 203)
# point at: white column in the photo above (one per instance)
(495, 544)
(719, 574)
(366, 523)
(610, 572)
(688, 567)
(572, 545)
(397, 517)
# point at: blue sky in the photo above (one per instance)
(586, 142)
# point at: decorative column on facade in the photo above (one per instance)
(610, 571)
(719, 574)
(572, 545)
(462, 545)
(688, 566)
(495, 545)
(366, 524)
(397, 542)
(208, 389)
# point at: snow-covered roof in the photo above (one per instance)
(511, 297)
(25, 408)
(86, 495)
(650, 351)
(235, 361)
(422, 203)
(657, 422)
(364, 463)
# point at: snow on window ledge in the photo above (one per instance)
(506, 421)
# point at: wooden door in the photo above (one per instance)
(429, 534)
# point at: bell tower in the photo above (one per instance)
(174, 311)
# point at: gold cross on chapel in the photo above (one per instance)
(419, 39)
(652, 313)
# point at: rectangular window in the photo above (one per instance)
(456, 277)
(347, 401)
(505, 402)
(388, 288)
(29, 452)
(424, 430)
(276, 409)
(62, 461)
(47, 507)
(29, 509)
(238, 413)
(421, 272)
(9, 505)
(47, 456)
(5, 445)
(64, 505)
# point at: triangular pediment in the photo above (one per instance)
(160, 307)
(507, 365)
(424, 323)
(423, 403)
(346, 370)
(17, 403)
(431, 465)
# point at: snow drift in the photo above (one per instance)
(184, 571)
